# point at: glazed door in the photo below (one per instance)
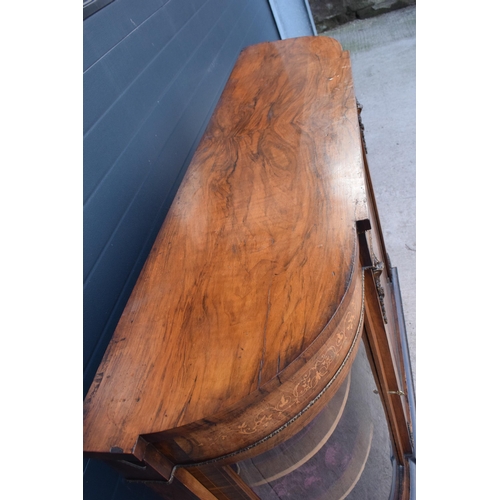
(345, 452)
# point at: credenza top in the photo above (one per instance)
(255, 256)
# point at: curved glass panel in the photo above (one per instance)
(343, 453)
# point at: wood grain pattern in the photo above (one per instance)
(255, 267)
(224, 483)
(282, 406)
(387, 373)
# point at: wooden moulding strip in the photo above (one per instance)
(192, 484)
(223, 482)
(379, 346)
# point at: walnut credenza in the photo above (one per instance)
(262, 353)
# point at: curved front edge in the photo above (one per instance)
(281, 407)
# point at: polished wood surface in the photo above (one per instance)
(281, 407)
(392, 392)
(250, 309)
(253, 284)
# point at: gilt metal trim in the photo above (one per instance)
(378, 267)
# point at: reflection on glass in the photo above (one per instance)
(343, 453)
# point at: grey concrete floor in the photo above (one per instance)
(383, 58)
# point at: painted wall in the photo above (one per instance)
(153, 72)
